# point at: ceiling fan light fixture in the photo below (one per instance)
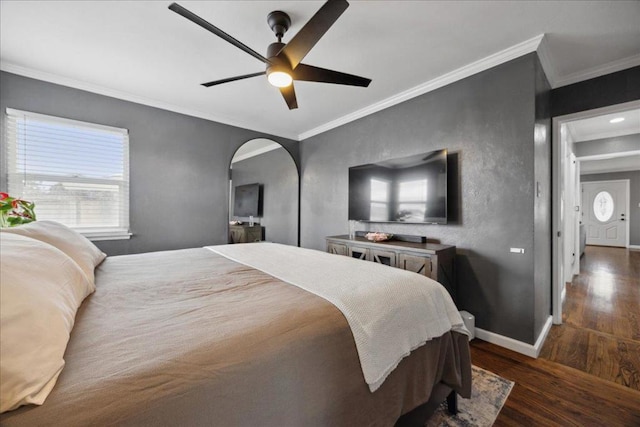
(279, 79)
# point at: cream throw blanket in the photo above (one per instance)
(390, 311)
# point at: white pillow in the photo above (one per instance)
(41, 289)
(69, 241)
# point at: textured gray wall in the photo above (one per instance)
(634, 196)
(277, 173)
(542, 201)
(607, 145)
(487, 123)
(611, 89)
(179, 165)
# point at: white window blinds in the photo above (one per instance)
(76, 173)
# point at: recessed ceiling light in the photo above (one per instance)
(617, 120)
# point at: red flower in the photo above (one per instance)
(3, 196)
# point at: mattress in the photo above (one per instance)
(189, 337)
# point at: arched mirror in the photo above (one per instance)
(263, 194)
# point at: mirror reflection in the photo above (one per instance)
(263, 194)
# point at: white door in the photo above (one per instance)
(605, 212)
(570, 219)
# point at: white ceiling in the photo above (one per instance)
(600, 127)
(141, 51)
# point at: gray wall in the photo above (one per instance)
(277, 173)
(179, 165)
(607, 145)
(611, 89)
(487, 123)
(542, 201)
(634, 207)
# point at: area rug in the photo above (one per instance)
(488, 394)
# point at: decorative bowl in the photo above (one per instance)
(378, 237)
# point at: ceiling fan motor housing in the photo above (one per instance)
(274, 49)
(277, 63)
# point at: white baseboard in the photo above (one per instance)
(637, 247)
(515, 345)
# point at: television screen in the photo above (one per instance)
(410, 189)
(246, 200)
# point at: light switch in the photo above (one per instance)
(517, 250)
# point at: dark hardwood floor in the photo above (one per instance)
(588, 372)
(601, 314)
(547, 393)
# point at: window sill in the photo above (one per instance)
(95, 236)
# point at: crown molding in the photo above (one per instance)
(546, 62)
(537, 44)
(601, 70)
(125, 96)
(608, 156)
(596, 171)
(490, 61)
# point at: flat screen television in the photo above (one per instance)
(246, 200)
(409, 189)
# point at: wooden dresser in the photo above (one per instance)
(433, 260)
(245, 233)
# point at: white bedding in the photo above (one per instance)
(390, 311)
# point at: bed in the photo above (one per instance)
(194, 337)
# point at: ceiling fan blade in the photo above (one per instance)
(310, 73)
(233, 79)
(215, 30)
(312, 31)
(289, 95)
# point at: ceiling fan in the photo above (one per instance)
(283, 60)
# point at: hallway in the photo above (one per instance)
(601, 314)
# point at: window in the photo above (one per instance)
(412, 199)
(379, 200)
(603, 206)
(76, 173)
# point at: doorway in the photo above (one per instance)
(567, 166)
